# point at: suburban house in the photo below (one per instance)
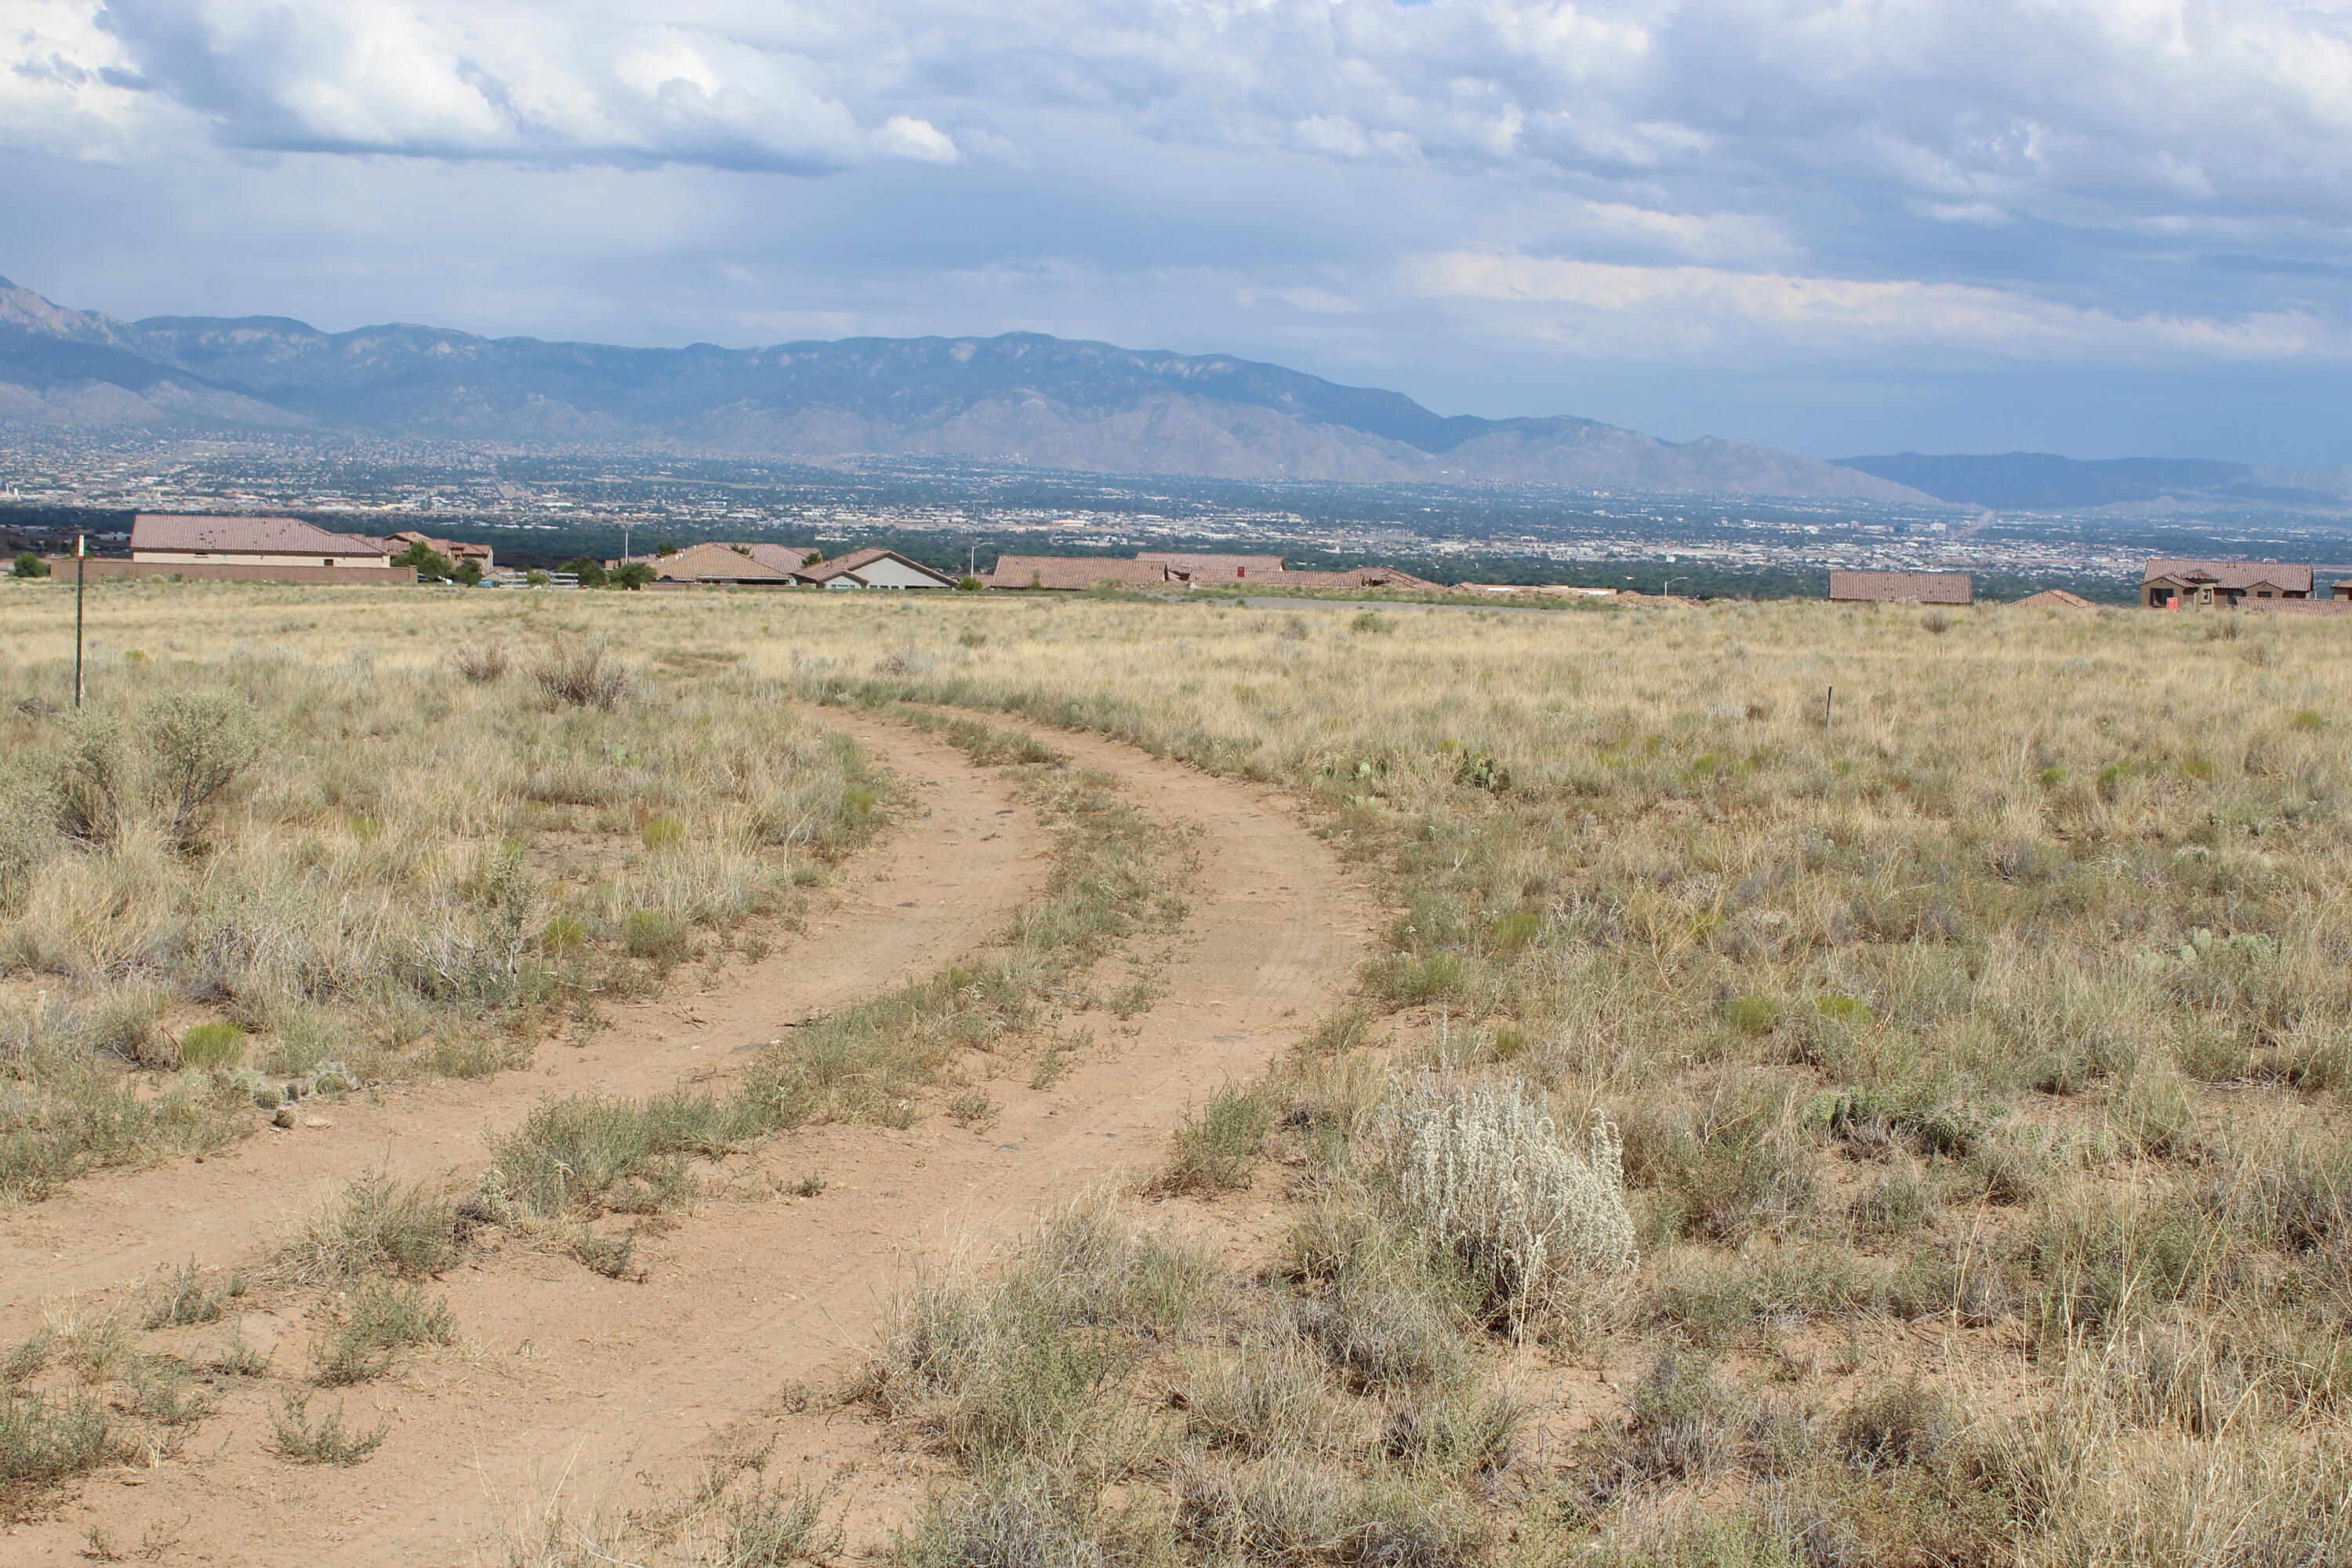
(783, 557)
(1902, 588)
(873, 568)
(1216, 568)
(716, 565)
(2055, 599)
(2169, 585)
(1354, 577)
(180, 539)
(456, 550)
(1079, 572)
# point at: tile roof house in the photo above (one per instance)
(1079, 572)
(1215, 568)
(873, 568)
(457, 550)
(717, 565)
(2177, 585)
(176, 538)
(2054, 599)
(1353, 577)
(1902, 587)
(783, 557)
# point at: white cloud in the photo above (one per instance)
(903, 136)
(1711, 312)
(1854, 187)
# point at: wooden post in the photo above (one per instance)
(1829, 711)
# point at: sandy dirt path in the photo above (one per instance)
(926, 894)
(594, 1386)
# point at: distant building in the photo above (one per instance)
(717, 565)
(2341, 591)
(1216, 568)
(2055, 599)
(783, 557)
(1076, 574)
(457, 551)
(873, 568)
(1353, 577)
(2168, 584)
(1902, 587)
(171, 537)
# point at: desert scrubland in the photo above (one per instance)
(1755, 1136)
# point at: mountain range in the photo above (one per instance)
(1021, 398)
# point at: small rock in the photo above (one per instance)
(316, 1121)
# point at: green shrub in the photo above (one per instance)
(382, 1318)
(218, 1044)
(198, 745)
(564, 933)
(377, 1226)
(655, 935)
(662, 833)
(28, 564)
(45, 1440)
(1213, 1149)
(295, 1437)
(192, 1296)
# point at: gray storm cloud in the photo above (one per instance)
(1867, 187)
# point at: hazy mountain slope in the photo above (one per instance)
(2043, 481)
(1021, 397)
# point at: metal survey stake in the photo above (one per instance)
(81, 553)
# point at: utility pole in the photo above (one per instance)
(81, 554)
(624, 544)
(1667, 592)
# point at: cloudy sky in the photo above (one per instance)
(2103, 227)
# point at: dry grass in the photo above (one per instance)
(2009, 1019)
(246, 874)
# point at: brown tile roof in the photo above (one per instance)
(2230, 574)
(1896, 587)
(1075, 572)
(783, 557)
(213, 533)
(1354, 577)
(715, 564)
(1215, 568)
(2056, 599)
(455, 549)
(826, 571)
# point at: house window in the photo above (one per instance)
(327, 561)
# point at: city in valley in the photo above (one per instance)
(539, 506)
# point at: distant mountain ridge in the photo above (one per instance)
(1021, 397)
(2043, 481)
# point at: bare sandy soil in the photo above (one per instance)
(569, 1380)
(927, 894)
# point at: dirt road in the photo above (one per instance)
(928, 893)
(577, 1381)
